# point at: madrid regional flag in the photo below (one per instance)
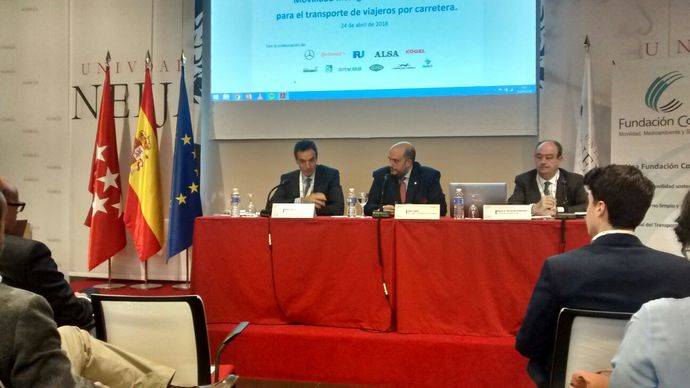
(143, 213)
(107, 234)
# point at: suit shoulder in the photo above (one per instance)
(526, 176)
(426, 170)
(573, 176)
(328, 170)
(17, 299)
(20, 248)
(289, 175)
(381, 171)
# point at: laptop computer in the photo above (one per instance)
(489, 194)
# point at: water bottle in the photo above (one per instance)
(458, 205)
(351, 203)
(235, 203)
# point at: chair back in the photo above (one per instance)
(169, 330)
(585, 340)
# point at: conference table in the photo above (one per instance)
(466, 277)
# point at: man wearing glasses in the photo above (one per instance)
(28, 264)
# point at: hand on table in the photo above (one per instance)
(545, 207)
(318, 199)
(389, 208)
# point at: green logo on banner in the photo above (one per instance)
(657, 88)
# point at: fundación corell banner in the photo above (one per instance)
(650, 128)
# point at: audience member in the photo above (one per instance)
(311, 183)
(616, 272)
(548, 187)
(404, 180)
(28, 265)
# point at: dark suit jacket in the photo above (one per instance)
(424, 187)
(570, 191)
(326, 181)
(30, 353)
(616, 272)
(28, 265)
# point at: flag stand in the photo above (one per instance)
(146, 285)
(110, 285)
(187, 284)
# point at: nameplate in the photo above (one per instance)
(507, 212)
(410, 211)
(293, 210)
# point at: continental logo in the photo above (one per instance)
(656, 90)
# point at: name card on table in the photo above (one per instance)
(410, 211)
(507, 212)
(293, 210)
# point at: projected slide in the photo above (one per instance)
(347, 49)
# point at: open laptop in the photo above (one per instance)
(489, 193)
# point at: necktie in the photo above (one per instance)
(547, 190)
(307, 184)
(403, 189)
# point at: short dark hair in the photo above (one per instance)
(303, 145)
(683, 228)
(626, 192)
(558, 145)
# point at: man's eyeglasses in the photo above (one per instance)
(19, 205)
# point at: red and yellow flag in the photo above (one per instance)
(143, 213)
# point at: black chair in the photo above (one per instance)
(585, 340)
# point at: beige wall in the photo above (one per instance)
(254, 166)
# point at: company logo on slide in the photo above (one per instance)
(427, 64)
(329, 68)
(325, 54)
(386, 54)
(376, 67)
(310, 69)
(414, 51)
(403, 66)
(357, 54)
(657, 88)
(309, 55)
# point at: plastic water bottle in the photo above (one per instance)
(458, 205)
(235, 203)
(351, 203)
(474, 209)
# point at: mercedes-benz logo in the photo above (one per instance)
(309, 55)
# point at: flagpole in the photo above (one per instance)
(110, 285)
(146, 285)
(187, 284)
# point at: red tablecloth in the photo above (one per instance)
(444, 277)
(327, 272)
(469, 277)
(231, 270)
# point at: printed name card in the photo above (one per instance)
(293, 210)
(410, 211)
(507, 212)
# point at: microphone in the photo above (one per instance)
(383, 189)
(234, 333)
(267, 211)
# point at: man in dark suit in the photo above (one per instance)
(311, 183)
(616, 272)
(404, 181)
(549, 187)
(28, 265)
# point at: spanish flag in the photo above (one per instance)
(143, 213)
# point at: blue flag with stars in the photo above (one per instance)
(185, 201)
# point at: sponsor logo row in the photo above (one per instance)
(360, 54)
(427, 64)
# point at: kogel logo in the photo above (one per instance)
(414, 51)
(657, 88)
(376, 67)
(358, 54)
(386, 54)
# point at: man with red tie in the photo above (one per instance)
(404, 180)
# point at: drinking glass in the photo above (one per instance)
(362, 200)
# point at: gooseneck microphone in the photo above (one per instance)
(383, 189)
(267, 211)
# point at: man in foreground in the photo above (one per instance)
(28, 264)
(404, 180)
(311, 182)
(616, 272)
(548, 186)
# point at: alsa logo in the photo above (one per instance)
(414, 51)
(386, 54)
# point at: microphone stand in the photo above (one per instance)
(266, 212)
(380, 213)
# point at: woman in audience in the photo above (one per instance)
(655, 351)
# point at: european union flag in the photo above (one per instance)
(185, 201)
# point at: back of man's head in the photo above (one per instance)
(626, 192)
(683, 228)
